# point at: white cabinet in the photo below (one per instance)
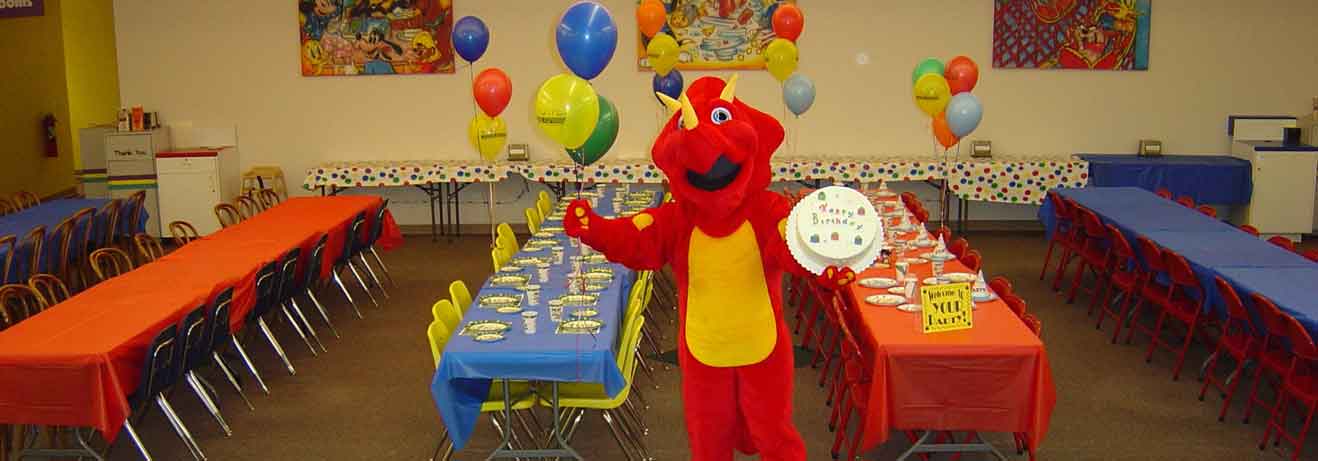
(130, 168)
(1281, 203)
(193, 181)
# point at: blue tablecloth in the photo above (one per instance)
(462, 380)
(1291, 289)
(51, 214)
(1135, 211)
(1215, 179)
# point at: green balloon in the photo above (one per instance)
(927, 66)
(600, 140)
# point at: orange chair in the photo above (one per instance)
(1208, 210)
(1164, 193)
(1236, 341)
(958, 247)
(1251, 230)
(973, 260)
(1282, 242)
(1185, 200)
(1034, 324)
(1001, 285)
(1299, 388)
(944, 233)
(1016, 304)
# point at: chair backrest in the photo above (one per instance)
(220, 314)
(1015, 303)
(7, 206)
(1119, 246)
(543, 205)
(267, 198)
(1164, 193)
(910, 200)
(1304, 353)
(437, 333)
(1060, 211)
(497, 259)
(287, 286)
(1152, 255)
(67, 247)
(227, 215)
(137, 208)
(958, 246)
(973, 260)
(266, 281)
(532, 220)
(445, 312)
(1283, 242)
(1207, 210)
(1182, 275)
(377, 226)
(148, 247)
(1274, 320)
(351, 242)
(195, 330)
(25, 199)
(1312, 255)
(1095, 231)
(247, 206)
(315, 263)
(36, 244)
(1237, 318)
(943, 232)
(183, 232)
(921, 215)
(159, 369)
(8, 244)
(1001, 285)
(504, 235)
(461, 296)
(1034, 324)
(1251, 230)
(1186, 201)
(51, 288)
(18, 302)
(108, 215)
(108, 263)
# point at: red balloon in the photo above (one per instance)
(961, 74)
(492, 90)
(788, 21)
(943, 132)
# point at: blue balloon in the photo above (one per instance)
(798, 93)
(586, 37)
(669, 85)
(470, 38)
(963, 114)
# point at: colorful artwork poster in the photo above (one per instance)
(1071, 34)
(375, 37)
(717, 34)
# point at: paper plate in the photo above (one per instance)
(488, 337)
(834, 226)
(959, 277)
(915, 261)
(885, 300)
(910, 307)
(897, 291)
(936, 256)
(933, 281)
(983, 296)
(877, 282)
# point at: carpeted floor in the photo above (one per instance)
(368, 397)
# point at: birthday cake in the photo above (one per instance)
(834, 226)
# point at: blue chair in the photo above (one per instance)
(286, 289)
(345, 261)
(159, 373)
(266, 280)
(311, 279)
(376, 231)
(196, 331)
(219, 336)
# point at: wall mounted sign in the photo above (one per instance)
(1071, 34)
(375, 37)
(22, 8)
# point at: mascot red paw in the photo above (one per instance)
(577, 218)
(834, 278)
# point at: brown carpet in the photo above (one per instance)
(368, 397)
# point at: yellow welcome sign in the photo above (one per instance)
(946, 307)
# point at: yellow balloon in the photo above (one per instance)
(780, 58)
(487, 134)
(932, 93)
(567, 109)
(662, 53)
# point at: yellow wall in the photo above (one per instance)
(33, 85)
(91, 70)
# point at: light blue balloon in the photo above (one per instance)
(798, 93)
(963, 114)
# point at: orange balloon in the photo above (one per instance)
(943, 133)
(961, 73)
(650, 17)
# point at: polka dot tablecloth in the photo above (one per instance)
(1004, 179)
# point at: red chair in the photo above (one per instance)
(973, 260)
(958, 247)
(1016, 304)
(1062, 231)
(1282, 242)
(944, 233)
(1236, 341)
(1273, 356)
(1093, 256)
(1185, 200)
(1074, 241)
(921, 215)
(1034, 324)
(1250, 229)
(1184, 303)
(1125, 275)
(1001, 285)
(1312, 255)
(1299, 387)
(853, 390)
(1152, 292)
(1208, 210)
(1164, 193)
(910, 200)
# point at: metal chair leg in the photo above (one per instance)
(179, 427)
(233, 380)
(371, 271)
(206, 400)
(443, 440)
(242, 352)
(383, 267)
(617, 436)
(324, 315)
(346, 294)
(298, 328)
(137, 441)
(306, 323)
(362, 282)
(270, 336)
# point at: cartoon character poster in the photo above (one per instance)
(1071, 34)
(717, 34)
(375, 37)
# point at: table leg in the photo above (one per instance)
(922, 445)
(562, 450)
(84, 449)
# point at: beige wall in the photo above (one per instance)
(33, 85)
(236, 61)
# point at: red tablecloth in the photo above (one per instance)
(75, 363)
(994, 377)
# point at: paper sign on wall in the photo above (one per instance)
(946, 307)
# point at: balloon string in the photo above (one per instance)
(475, 112)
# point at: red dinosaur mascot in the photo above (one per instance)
(723, 237)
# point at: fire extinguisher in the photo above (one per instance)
(48, 132)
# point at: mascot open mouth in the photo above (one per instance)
(722, 173)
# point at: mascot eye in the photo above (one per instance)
(720, 115)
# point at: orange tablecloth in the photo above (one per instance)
(75, 363)
(994, 377)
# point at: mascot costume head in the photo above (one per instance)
(722, 235)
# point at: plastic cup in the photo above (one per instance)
(555, 310)
(542, 272)
(528, 321)
(532, 294)
(557, 252)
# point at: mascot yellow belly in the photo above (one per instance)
(729, 318)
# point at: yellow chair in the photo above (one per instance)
(616, 412)
(533, 220)
(461, 296)
(504, 235)
(445, 312)
(544, 203)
